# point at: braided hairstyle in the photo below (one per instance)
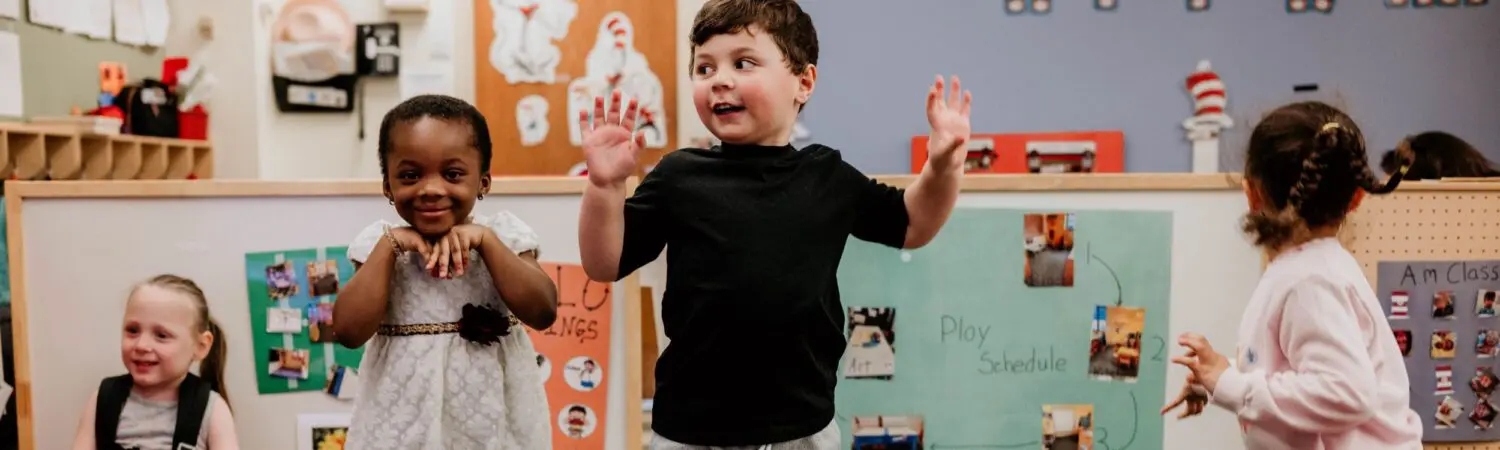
(1308, 159)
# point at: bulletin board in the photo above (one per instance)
(538, 63)
(70, 274)
(1433, 226)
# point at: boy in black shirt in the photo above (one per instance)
(754, 230)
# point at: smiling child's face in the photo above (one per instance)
(159, 340)
(744, 91)
(434, 174)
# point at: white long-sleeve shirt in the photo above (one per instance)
(1318, 367)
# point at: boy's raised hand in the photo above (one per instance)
(948, 115)
(609, 148)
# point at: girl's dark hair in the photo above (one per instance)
(212, 367)
(1308, 159)
(440, 107)
(1439, 155)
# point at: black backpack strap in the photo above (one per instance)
(192, 404)
(113, 392)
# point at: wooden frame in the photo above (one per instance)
(31, 152)
(17, 192)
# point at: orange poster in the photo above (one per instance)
(574, 357)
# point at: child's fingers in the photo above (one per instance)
(1175, 403)
(583, 124)
(968, 100)
(599, 111)
(457, 259)
(613, 116)
(631, 110)
(1190, 363)
(956, 94)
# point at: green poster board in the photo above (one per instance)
(978, 351)
(296, 282)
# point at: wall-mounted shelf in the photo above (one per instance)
(40, 152)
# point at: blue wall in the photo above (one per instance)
(1397, 71)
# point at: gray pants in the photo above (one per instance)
(828, 439)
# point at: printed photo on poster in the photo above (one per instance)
(323, 278)
(1067, 427)
(577, 421)
(1399, 301)
(1115, 343)
(283, 320)
(583, 374)
(1444, 345)
(288, 363)
(887, 432)
(1447, 413)
(281, 280)
(1403, 341)
(524, 50)
(1486, 343)
(1049, 249)
(1483, 415)
(1484, 304)
(1442, 305)
(544, 366)
(1483, 383)
(872, 344)
(1444, 376)
(320, 323)
(615, 63)
(322, 431)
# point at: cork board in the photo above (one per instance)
(595, 47)
(1427, 223)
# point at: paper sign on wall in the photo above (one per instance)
(614, 63)
(574, 357)
(523, 49)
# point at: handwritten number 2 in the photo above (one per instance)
(1161, 344)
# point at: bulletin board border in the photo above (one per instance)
(17, 192)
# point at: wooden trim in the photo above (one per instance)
(20, 337)
(254, 188)
(1085, 182)
(634, 404)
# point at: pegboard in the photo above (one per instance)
(1427, 223)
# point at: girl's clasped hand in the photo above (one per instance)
(1205, 365)
(447, 256)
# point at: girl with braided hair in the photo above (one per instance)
(1317, 367)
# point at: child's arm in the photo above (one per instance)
(526, 290)
(1332, 385)
(361, 303)
(221, 434)
(929, 200)
(616, 235)
(84, 439)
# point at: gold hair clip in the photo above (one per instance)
(1330, 126)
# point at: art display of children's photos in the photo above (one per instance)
(1115, 342)
(1464, 349)
(577, 346)
(872, 343)
(322, 431)
(886, 432)
(1049, 249)
(291, 296)
(1067, 427)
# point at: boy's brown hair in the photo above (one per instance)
(790, 27)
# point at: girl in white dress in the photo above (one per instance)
(441, 297)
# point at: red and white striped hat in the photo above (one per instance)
(1208, 95)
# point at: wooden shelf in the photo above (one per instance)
(43, 152)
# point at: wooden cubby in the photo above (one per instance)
(41, 152)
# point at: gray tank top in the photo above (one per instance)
(149, 425)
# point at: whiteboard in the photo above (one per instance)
(1214, 270)
(83, 254)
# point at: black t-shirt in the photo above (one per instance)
(753, 236)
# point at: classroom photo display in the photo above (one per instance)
(1449, 306)
(291, 298)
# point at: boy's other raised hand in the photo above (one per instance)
(948, 115)
(610, 149)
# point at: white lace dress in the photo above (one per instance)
(440, 391)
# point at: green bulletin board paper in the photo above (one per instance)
(320, 354)
(962, 310)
